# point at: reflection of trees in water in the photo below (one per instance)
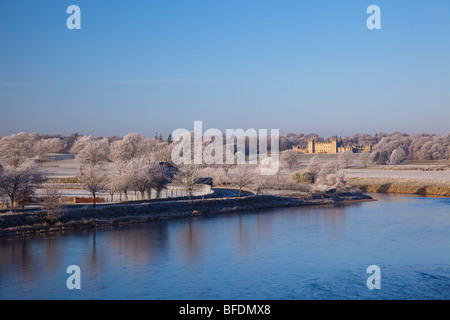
(138, 244)
(253, 229)
(29, 257)
(189, 241)
(17, 255)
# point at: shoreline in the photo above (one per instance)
(27, 223)
(424, 188)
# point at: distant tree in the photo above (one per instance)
(365, 158)
(289, 159)
(16, 149)
(380, 157)
(80, 143)
(45, 146)
(93, 178)
(261, 181)
(327, 172)
(301, 176)
(169, 138)
(314, 167)
(94, 152)
(158, 151)
(396, 156)
(331, 175)
(19, 182)
(112, 186)
(346, 158)
(217, 174)
(133, 145)
(139, 172)
(243, 176)
(50, 199)
(159, 177)
(187, 178)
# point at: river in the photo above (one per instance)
(289, 253)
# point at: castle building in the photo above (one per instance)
(335, 146)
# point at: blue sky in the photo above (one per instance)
(297, 66)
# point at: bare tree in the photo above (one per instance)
(93, 178)
(187, 178)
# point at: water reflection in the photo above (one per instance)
(189, 241)
(274, 253)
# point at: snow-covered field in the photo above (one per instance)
(65, 166)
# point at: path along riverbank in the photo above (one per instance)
(13, 224)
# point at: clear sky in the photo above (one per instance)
(154, 65)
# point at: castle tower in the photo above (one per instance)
(311, 148)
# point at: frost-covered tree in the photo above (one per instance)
(94, 152)
(380, 157)
(139, 172)
(217, 174)
(43, 147)
(158, 151)
(314, 167)
(331, 175)
(16, 149)
(346, 158)
(80, 143)
(133, 145)
(112, 186)
(160, 177)
(243, 176)
(365, 158)
(260, 181)
(19, 182)
(93, 179)
(187, 178)
(301, 176)
(396, 156)
(289, 159)
(50, 199)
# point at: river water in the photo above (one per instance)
(289, 253)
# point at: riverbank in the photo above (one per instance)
(405, 186)
(12, 224)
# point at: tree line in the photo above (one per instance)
(143, 164)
